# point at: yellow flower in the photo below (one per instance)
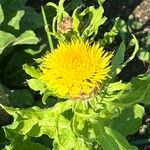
(76, 69)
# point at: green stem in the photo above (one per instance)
(47, 29)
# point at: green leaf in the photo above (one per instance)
(1, 15)
(15, 98)
(120, 140)
(118, 86)
(80, 125)
(24, 1)
(5, 40)
(72, 5)
(30, 70)
(94, 21)
(115, 91)
(3, 140)
(44, 140)
(103, 138)
(52, 4)
(38, 60)
(66, 140)
(46, 95)
(139, 92)
(135, 42)
(76, 21)
(31, 20)
(110, 139)
(19, 98)
(144, 54)
(36, 85)
(34, 50)
(80, 144)
(101, 1)
(13, 74)
(3, 96)
(129, 121)
(119, 57)
(109, 37)
(122, 28)
(141, 85)
(36, 121)
(28, 37)
(15, 21)
(22, 142)
(60, 11)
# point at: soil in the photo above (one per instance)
(142, 12)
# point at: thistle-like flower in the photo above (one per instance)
(76, 69)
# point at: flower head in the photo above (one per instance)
(75, 69)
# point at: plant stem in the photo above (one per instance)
(46, 26)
